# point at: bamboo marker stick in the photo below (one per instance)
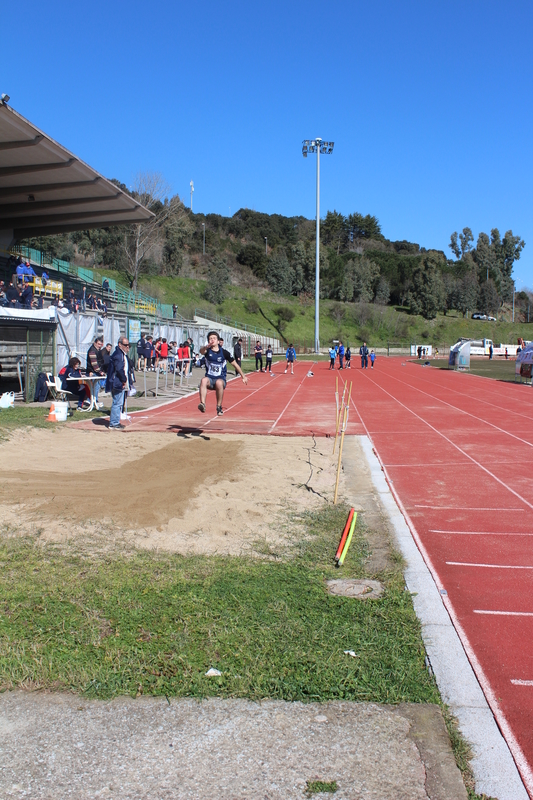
(345, 420)
(339, 418)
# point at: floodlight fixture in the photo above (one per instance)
(4, 99)
(317, 146)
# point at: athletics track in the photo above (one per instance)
(457, 451)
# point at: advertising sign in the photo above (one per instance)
(134, 330)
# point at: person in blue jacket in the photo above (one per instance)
(363, 352)
(290, 355)
(332, 357)
(341, 355)
(118, 381)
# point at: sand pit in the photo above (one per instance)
(194, 494)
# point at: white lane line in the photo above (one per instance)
(504, 613)
(482, 399)
(481, 533)
(247, 397)
(517, 682)
(488, 566)
(456, 408)
(290, 401)
(447, 439)
(467, 508)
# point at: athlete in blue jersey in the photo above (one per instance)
(216, 359)
(290, 355)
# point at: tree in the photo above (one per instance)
(466, 293)
(489, 300)
(359, 278)
(279, 273)
(361, 227)
(465, 238)
(427, 296)
(253, 256)
(141, 238)
(382, 292)
(333, 230)
(218, 279)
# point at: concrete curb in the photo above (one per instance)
(494, 769)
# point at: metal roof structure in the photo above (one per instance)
(45, 189)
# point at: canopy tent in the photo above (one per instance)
(45, 189)
(524, 362)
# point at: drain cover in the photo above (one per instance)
(362, 589)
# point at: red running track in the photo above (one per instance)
(457, 451)
(280, 405)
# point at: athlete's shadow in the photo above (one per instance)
(188, 433)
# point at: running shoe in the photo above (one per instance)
(201, 407)
(219, 411)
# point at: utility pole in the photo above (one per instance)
(192, 190)
(514, 292)
(203, 226)
(317, 146)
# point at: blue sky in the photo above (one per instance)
(429, 104)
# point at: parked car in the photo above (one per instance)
(485, 317)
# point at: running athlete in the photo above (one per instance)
(216, 359)
(290, 355)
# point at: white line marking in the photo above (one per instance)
(489, 566)
(466, 508)
(290, 401)
(504, 613)
(517, 682)
(481, 533)
(481, 399)
(447, 439)
(456, 408)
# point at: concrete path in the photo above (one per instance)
(57, 746)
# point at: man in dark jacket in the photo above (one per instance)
(95, 366)
(117, 381)
(363, 352)
(237, 353)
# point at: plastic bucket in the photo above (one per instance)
(61, 410)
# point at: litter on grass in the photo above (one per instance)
(351, 653)
(212, 673)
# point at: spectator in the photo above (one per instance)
(348, 356)
(106, 355)
(91, 302)
(45, 277)
(141, 352)
(363, 352)
(83, 300)
(332, 357)
(341, 355)
(268, 355)
(95, 366)
(258, 350)
(105, 285)
(163, 352)
(3, 299)
(117, 381)
(13, 296)
(150, 353)
(237, 354)
(74, 371)
(174, 310)
(26, 296)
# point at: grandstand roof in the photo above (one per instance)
(46, 189)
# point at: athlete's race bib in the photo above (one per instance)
(214, 369)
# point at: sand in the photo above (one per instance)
(186, 494)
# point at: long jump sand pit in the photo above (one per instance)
(186, 494)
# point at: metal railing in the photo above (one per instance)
(233, 323)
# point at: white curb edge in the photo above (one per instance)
(494, 768)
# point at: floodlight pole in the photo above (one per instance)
(318, 146)
(203, 226)
(192, 190)
(317, 265)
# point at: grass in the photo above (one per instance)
(315, 787)
(141, 623)
(24, 416)
(497, 369)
